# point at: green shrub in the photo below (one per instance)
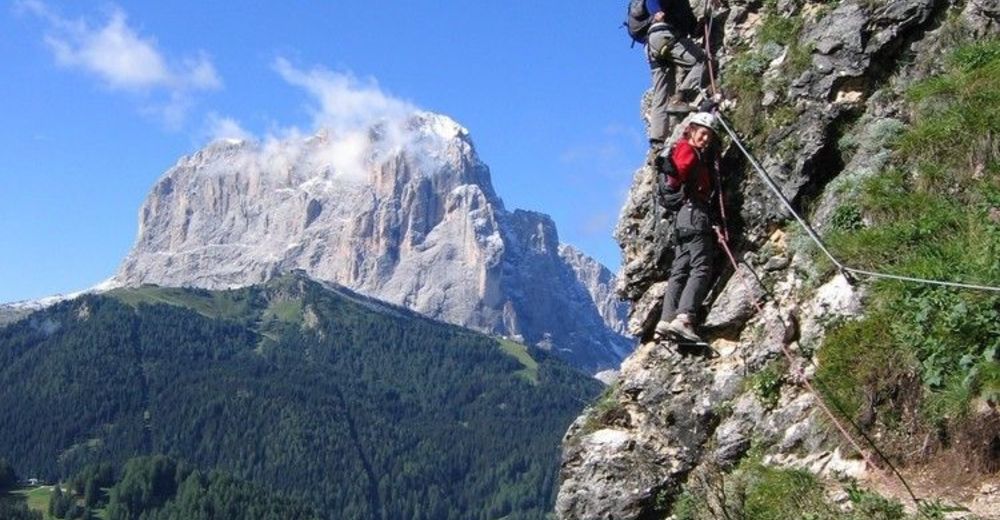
(780, 29)
(602, 411)
(872, 506)
(766, 384)
(743, 80)
(847, 217)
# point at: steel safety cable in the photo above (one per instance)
(819, 397)
(724, 238)
(819, 242)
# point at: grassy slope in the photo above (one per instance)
(922, 356)
(934, 214)
(234, 304)
(36, 498)
(520, 353)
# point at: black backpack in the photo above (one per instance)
(638, 21)
(672, 199)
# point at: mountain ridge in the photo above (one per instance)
(404, 211)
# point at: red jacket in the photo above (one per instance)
(688, 161)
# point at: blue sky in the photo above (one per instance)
(99, 99)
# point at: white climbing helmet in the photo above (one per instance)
(705, 119)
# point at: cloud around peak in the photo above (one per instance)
(345, 103)
(355, 124)
(225, 128)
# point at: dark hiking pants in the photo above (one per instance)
(690, 276)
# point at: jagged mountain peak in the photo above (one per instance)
(400, 209)
(431, 144)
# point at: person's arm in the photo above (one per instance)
(685, 161)
(655, 10)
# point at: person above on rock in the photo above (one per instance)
(690, 180)
(677, 64)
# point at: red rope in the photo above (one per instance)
(791, 360)
(723, 237)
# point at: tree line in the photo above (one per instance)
(358, 413)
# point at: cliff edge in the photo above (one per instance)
(837, 100)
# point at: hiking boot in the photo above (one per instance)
(662, 330)
(677, 105)
(681, 327)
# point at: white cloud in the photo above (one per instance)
(220, 127)
(346, 156)
(346, 112)
(199, 73)
(125, 60)
(345, 102)
(114, 52)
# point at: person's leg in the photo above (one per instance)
(690, 61)
(702, 251)
(663, 88)
(675, 284)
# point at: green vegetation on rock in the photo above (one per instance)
(934, 213)
(766, 384)
(756, 491)
(749, 75)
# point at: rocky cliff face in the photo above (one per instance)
(675, 416)
(405, 212)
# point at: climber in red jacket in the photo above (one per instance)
(691, 185)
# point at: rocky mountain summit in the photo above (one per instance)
(820, 97)
(403, 211)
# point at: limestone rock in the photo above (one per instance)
(735, 304)
(690, 411)
(405, 212)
